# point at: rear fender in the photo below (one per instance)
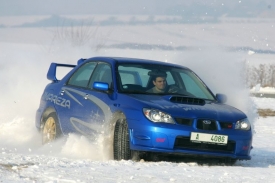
(45, 114)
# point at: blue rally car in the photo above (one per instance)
(146, 107)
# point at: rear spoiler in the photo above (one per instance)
(52, 70)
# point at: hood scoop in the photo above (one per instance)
(187, 100)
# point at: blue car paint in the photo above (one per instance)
(81, 110)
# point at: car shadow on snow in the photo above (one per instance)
(259, 158)
(201, 161)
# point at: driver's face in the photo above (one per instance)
(160, 83)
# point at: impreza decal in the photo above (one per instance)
(70, 95)
(58, 100)
(102, 105)
(85, 128)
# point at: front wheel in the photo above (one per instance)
(122, 142)
(51, 129)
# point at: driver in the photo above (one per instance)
(160, 83)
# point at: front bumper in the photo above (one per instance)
(175, 139)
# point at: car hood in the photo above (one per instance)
(209, 109)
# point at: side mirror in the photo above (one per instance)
(101, 86)
(221, 98)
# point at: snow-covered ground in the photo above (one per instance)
(25, 57)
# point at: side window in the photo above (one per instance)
(103, 73)
(81, 77)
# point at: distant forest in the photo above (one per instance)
(264, 74)
(58, 20)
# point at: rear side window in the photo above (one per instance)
(81, 77)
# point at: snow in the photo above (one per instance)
(24, 59)
(259, 89)
(72, 161)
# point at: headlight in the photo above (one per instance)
(157, 116)
(243, 124)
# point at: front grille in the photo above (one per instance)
(205, 124)
(183, 121)
(187, 100)
(185, 143)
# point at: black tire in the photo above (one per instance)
(121, 141)
(51, 129)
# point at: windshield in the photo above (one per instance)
(161, 80)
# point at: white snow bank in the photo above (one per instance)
(263, 90)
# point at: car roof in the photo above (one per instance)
(132, 60)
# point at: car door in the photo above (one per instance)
(74, 118)
(87, 112)
(102, 99)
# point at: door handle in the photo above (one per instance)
(62, 92)
(86, 96)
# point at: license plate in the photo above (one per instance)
(209, 138)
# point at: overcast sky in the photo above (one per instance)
(136, 7)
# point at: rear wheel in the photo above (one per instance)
(51, 129)
(121, 141)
